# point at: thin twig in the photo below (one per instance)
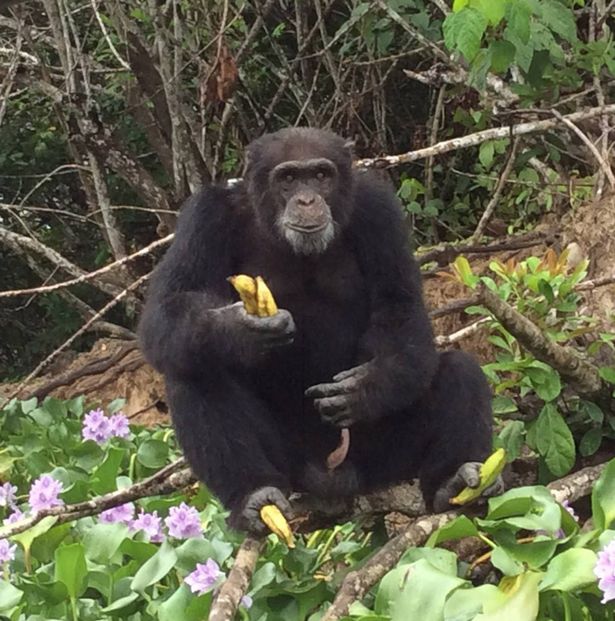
(495, 198)
(590, 145)
(449, 339)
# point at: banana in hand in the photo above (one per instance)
(255, 295)
(489, 472)
(277, 524)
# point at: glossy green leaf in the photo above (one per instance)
(153, 453)
(603, 498)
(554, 440)
(71, 569)
(10, 596)
(569, 571)
(155, 568)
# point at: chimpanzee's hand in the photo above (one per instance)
(250, 518)
(263, 332)
(342, 402)
(468, 475)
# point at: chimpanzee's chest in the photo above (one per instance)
(329, 300)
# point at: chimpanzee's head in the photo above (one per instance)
(299, 181)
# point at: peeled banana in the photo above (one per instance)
(277, 524)
(489, 472)
(255, 295)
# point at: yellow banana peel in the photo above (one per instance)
(255, 295)
(489, 472)
(277, 524)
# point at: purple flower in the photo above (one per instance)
(7, 495)
(570, 510)
(17, 515)
(118, 426)
(7, 551)
(183, 522)
(204, 577)
(44, 493)
(123, 514)
(96, 427)
(605, 571)
(150, 524)
(247, 601)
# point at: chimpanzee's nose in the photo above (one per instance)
(305, 200)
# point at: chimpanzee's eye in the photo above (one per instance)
(320, 175)
(289, 178)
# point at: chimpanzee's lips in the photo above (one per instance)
(314, 228)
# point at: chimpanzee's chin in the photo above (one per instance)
(309, 243)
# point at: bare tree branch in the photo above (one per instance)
(86, 276)
(581, 374)
(227, 600)
(472, 140)
(13, 240)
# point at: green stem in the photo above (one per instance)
(73, 607)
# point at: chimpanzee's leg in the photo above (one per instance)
(448, 427)
(232, 444)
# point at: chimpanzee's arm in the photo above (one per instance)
(397, 349)
(191, 317)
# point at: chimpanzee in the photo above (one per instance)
(258, 402)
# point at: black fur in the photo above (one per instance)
(240, 411)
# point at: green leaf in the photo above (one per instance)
(554, 440)
(603, 498)
(416, 591)
(493, 10)
(153, 453)
(28, 405)
(511, 438)
(518, 32)
(26, 538)
(185, 606)
(517, 599)
(485, 153)
(569, 571)
(442, 560)
(607, 374)
(121, 603)
(10, 596)
(71, 569)
(560, 19)
(518, 18)
(196, 550)
(545, 380)
(465, 604)
(502, 55)
(459, 4)
(464, 31)
(155, 568)
(458, 528)
(103, 478)
(102, 541)
(590, 442)
(502, 560)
